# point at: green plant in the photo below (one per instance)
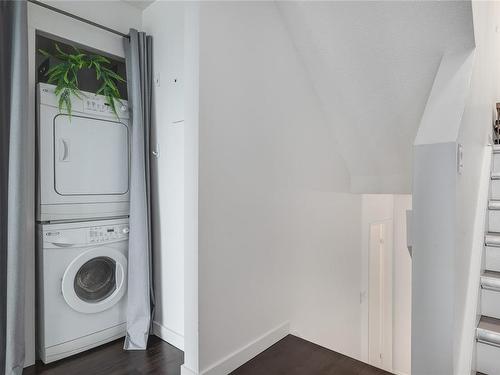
(64, 75)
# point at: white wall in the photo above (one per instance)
(326, 270)
(269, 189)
(272, 195)
(433, 278)
(445, 205)
(434, 216)
(116, 15)
(443, 113)
(165, 22)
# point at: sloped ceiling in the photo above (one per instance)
(372, 65)
(139, 4)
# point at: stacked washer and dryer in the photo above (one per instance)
(82, 214)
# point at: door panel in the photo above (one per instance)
(375, 295)
(380, 295)
(90, 156)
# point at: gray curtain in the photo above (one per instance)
(16, 182)
(140, 300)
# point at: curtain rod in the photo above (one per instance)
(54, 9)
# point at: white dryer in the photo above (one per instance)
(82, 282)
(83, 159)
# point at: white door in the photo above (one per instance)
(90, 156)
(380, 296)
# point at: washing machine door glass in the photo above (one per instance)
(95, 280)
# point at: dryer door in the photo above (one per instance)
(95, 280)
(90, 156)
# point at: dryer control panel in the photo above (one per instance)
(99, 106)
(108, 233)
(88, 103)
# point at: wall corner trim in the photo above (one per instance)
(234, 360)
(168, 335)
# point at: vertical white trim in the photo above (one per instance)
(29, 308)
(384, 300)
(191, 169)
(376, 208)
(388, 294)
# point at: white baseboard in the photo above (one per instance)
(166, 334)
(234, 360)
(187, 371)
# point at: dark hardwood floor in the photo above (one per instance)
(295, 356)
(290, 356)
(110, 359)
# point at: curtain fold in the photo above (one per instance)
(16, 182)
(140, 295)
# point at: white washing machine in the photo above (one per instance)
(83, 159)
(82, 282)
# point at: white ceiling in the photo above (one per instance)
(372, 65)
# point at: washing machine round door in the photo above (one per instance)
(95, 280)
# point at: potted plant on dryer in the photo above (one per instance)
(64, 74)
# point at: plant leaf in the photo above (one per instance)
(45, 53)
(64, 75)
(61, 53)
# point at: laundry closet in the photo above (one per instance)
(77, 278)
(83, 178)
(82, 195)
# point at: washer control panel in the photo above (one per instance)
(108, 233)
